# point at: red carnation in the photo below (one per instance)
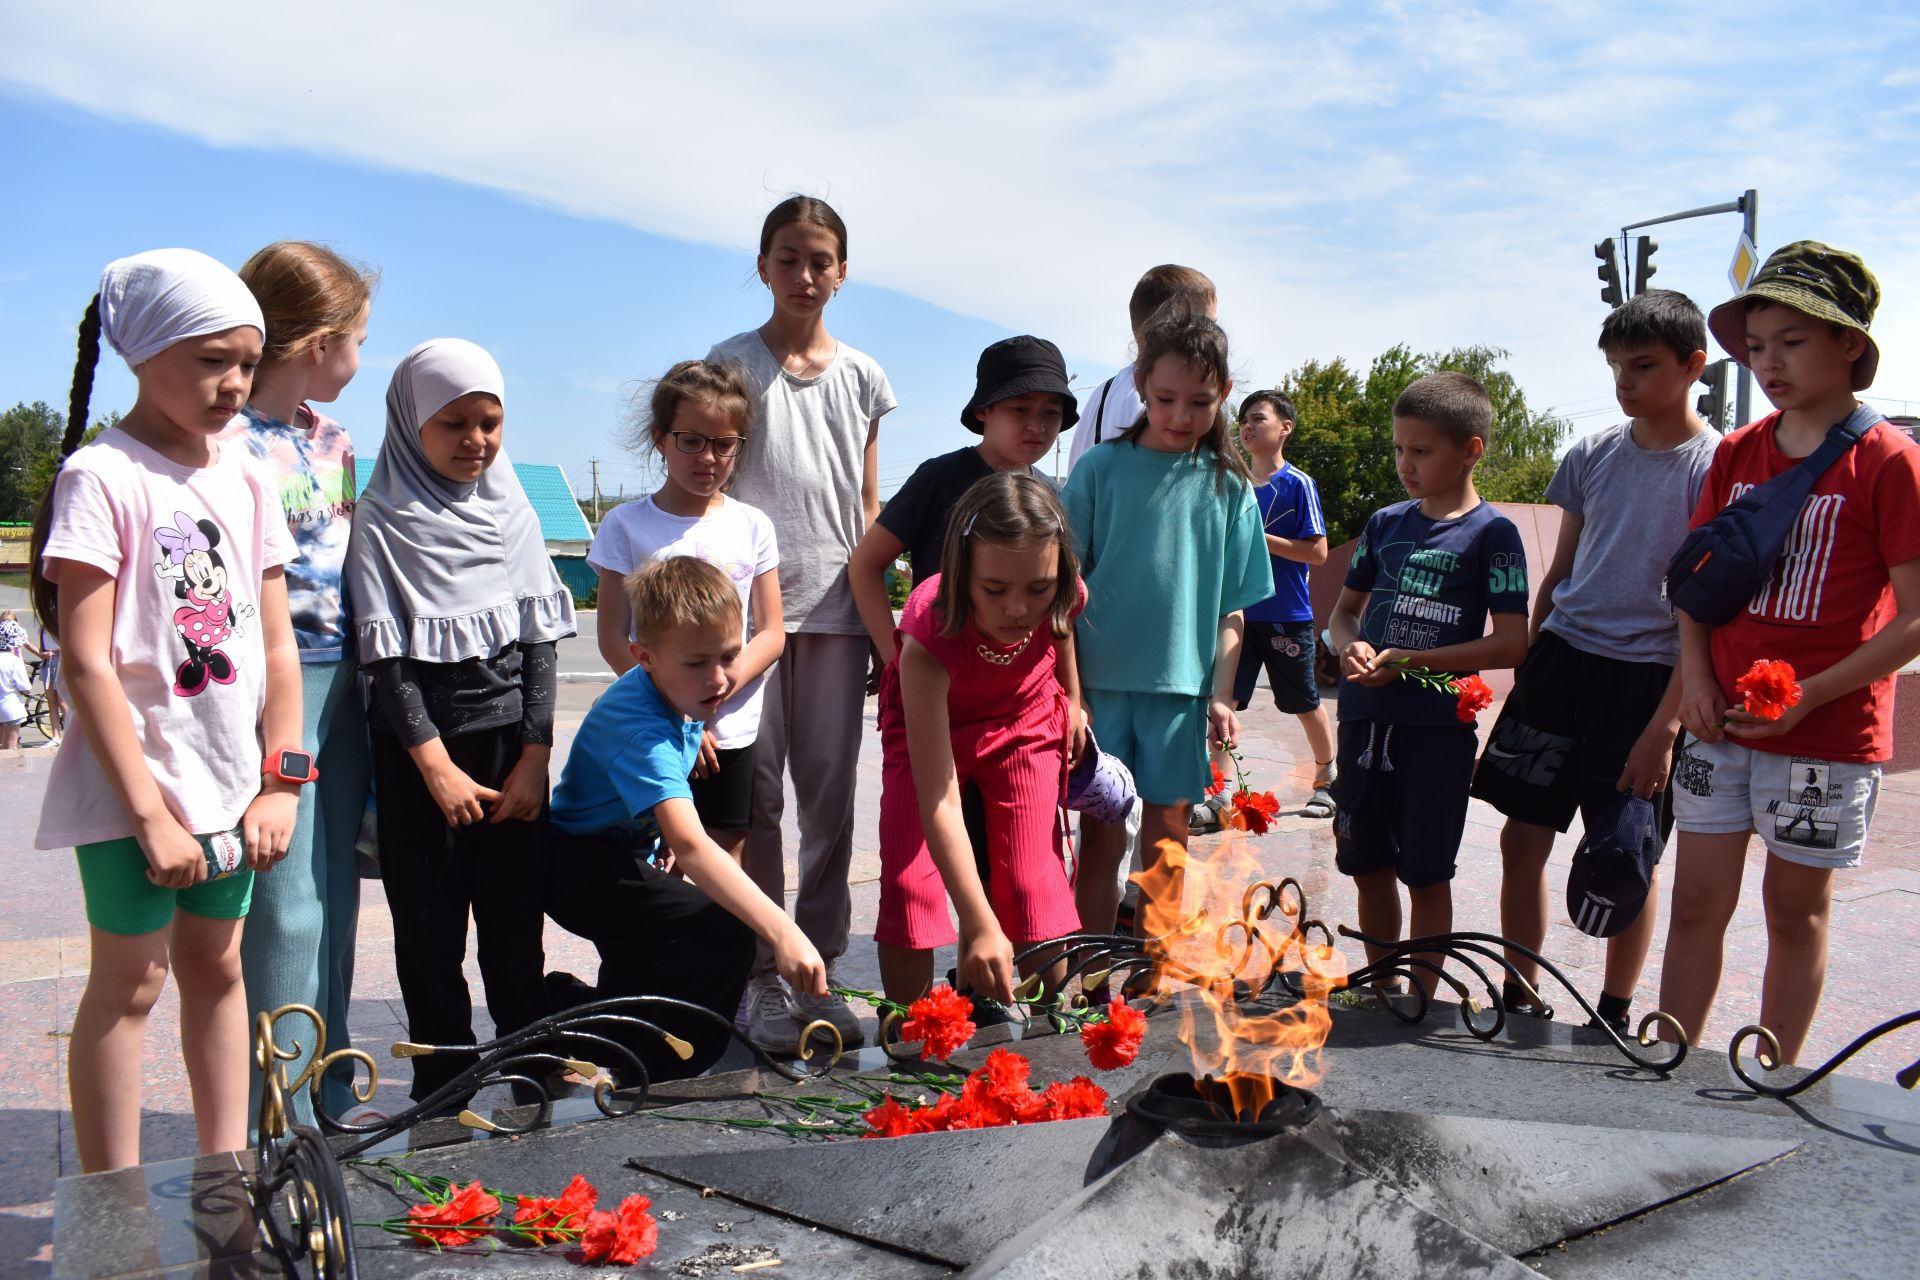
(463, 1217)
(556, 1220)
(1253, 811)
(941, 1021)
(1475, 697)
(998, 1092)
(1075, 1099)
(1114, 1042)
(1768, 689)
(1219, 782)
(892, 1120)
(624, 1236)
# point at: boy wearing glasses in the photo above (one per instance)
(697, 420)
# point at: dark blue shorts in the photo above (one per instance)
(1400, 800)
(1285, 649)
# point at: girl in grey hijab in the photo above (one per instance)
(456, 610)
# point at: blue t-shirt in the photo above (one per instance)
(1289, 508)
(1431, 583)
(632, 752)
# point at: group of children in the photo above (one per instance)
(252, 646)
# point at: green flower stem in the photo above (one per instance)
(1438, 681)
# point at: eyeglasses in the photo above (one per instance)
(694, 442)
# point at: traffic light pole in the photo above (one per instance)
(1747, 206)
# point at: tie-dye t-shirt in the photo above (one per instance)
(313, 462)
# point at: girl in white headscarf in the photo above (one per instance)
(157, 564)
(456, 610)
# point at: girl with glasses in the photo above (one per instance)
(697, 419)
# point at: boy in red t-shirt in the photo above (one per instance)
(1842, 607)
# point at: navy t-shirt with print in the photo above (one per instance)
(1430, 583)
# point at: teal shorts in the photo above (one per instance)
(1162, 737)
(120, 898)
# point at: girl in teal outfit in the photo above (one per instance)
(1172, 549)
(298, 947)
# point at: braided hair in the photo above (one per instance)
(45, 593)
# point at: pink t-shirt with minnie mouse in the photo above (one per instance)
(186, 547)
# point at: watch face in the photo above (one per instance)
(295, 765)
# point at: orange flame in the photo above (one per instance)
(1202, 915)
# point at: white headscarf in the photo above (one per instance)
(444, 570)
(153, 300)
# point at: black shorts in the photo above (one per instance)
(1400, 799)
(724, 799)
(1285, 649)
(1564, 734)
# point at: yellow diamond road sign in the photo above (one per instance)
(1746, 260)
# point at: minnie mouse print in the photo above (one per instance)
(210, 616)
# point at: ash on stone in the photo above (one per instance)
(718, 1258)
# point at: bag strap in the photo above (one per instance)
(1841, 436)
(1100, 408)
(1795, 483)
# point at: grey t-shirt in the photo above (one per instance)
(803, 466)
(1635, 504)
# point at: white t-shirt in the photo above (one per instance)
(186, 547)
(1105, 412)
(803, 466)
(737, 539)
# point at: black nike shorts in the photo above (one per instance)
(1563, 736)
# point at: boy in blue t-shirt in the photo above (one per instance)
(1423, 579)
(1279, 630)
(623, 818)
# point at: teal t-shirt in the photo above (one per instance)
(632, 752)
(1168, 545)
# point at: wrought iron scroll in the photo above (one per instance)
(299, 1199)
(1259, 962)
(581, 1040)
(1768, 1055)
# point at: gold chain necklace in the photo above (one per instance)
(999, 659)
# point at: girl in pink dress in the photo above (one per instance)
(983, 689)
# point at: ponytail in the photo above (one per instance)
(45, 594)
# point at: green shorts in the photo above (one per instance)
(120, 898)
(1161, 737)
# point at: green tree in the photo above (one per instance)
(1343, 435)
(40, 472)
(29, 436)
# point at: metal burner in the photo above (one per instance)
(1207, 1106)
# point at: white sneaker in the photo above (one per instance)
(770, 1024)
(830, 1008)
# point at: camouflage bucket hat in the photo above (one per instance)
(1815, 280)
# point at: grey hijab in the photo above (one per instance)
(443, 570)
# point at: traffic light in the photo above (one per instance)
(1712, 404)
(1644, 247)
(1609, 254)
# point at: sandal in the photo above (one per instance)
(1320, 803)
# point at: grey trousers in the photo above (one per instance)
(810, 724)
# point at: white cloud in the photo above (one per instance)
(1351, 177)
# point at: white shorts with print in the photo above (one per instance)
(1813, 812)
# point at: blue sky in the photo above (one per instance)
(578, 186)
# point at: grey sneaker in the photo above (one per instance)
(831, 1008)
(770, 1024)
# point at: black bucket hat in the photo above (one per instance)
(1814, 280)
(1613, 865)
(1013, 367)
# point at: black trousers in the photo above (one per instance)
(657, 935)
(434, 875)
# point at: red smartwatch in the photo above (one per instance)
(289, 765)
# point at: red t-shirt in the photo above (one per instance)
(1829, 591)
(983, 689)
